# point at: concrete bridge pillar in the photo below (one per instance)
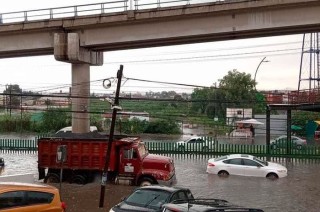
(67, 49)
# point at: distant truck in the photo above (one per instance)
(130, 163)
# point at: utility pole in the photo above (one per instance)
(115, 107)
(10, 90)
(6, 99)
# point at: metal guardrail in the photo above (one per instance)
(94, 9)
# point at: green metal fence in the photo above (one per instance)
(18, 145)
(210, 147)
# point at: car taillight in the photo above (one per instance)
(210, 164)
(63, 206)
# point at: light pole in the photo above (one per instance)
(255, 74)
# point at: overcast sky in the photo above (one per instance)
(197, 64)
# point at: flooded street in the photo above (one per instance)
(299, 191)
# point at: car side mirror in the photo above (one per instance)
(123, 198)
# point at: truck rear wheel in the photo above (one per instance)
(145, 181)
(52, 178)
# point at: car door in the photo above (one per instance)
(130, 161)
(234, 166)
(252, 168)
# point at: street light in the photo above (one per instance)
(255, 74)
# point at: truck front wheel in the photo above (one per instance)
(52, 178)
(145, 181)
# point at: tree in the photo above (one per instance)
(235, 90)
(55, 119)
(238, 88)
(200, 97)
(12, 100)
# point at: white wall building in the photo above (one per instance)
(235, 114)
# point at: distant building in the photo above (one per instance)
(129, 115)
(234, 114)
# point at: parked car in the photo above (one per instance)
(205, 205)
(281, 142)
(245, 165)
(151, 198)
(1, 162)
(69, 129)
(29, 197)
(194, 144)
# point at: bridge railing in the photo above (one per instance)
(64, 12)
(94, 9)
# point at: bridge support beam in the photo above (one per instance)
(67, 49)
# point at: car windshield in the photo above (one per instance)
(260, 161)
(148, 198)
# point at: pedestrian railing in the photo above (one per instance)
(109, 7)
(210, 147)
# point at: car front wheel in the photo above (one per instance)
(272, 176)
(145, 181)
(52, 178)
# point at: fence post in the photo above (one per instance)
(136, 4)
(51, 13)
(102, 8)
(25, 16)
(75, 11)
(268, 131)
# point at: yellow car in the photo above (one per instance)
(26, 197)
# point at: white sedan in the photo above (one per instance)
(245, 165)
(194, 144)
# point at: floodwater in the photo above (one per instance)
(299, 191)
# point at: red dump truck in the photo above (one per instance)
(130, 163)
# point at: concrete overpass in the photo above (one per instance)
(81, 40)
